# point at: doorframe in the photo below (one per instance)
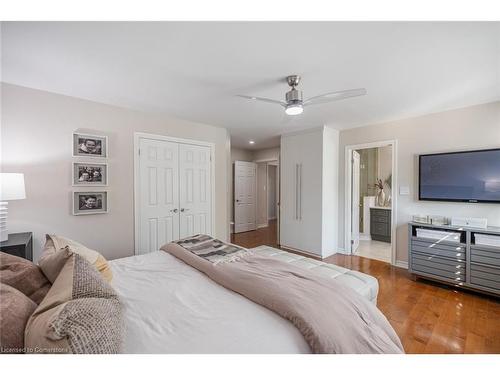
(234, 194)
(348, 195)
(266, 195)
(275, 189)
(158, 137)
(278, 189)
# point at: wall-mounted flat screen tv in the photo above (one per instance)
(468, 176)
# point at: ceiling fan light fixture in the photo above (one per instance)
(294, 101)
(294, 109)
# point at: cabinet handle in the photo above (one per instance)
(300, 191)
(296, 192)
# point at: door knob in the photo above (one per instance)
(174, 210)
(184, 209)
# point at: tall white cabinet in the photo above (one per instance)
(309, 191)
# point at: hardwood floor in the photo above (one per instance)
(428, 317)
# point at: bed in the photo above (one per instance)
(170, 307)
(195, 295)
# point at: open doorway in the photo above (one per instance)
(371, 201)
(261, 192)
(267, 194)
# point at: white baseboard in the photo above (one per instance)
(341, 250)
(365, 237)
(301, 251)
(272, 218)
(401, 264)
(262, 225)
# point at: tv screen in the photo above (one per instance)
(470, 176)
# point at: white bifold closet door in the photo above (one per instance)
(174, 192)
(194, 194)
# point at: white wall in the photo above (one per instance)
(384, 166)
(462, 129)
(36, 134)
(241, 154)
(266, 154)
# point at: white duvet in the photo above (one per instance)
(169, 307)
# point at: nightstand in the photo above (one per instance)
(19, 244)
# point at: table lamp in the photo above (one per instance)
(11, 188)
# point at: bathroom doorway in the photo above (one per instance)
(371, 201)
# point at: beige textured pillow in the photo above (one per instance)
(51, 260)
(24, 276)
(80, 314)
(15, 309)
(52, 264)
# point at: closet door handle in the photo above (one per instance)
(300, 191)
(296, 191)
(184, 209)
(174, 210)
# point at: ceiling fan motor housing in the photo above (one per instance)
(293, 96)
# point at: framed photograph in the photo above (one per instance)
(89, 145)
(87, 203)
(95, 174)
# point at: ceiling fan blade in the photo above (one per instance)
(272, 101)
(333, 96)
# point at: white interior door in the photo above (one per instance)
(244, 196)
(159, 194)
(195, 190)
(355, 201)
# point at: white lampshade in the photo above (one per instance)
(12, 186)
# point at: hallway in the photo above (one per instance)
(262, 236)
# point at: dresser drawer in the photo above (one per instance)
(377, 212)
(451, 276)
(444, 264)
(382, 229)
(483, 254)
(485, 276)
(453, 270)
(439, 243)
(381, 219)
(454, 252)
(485, 272)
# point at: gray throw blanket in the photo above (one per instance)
(331, 317)
(211, 249)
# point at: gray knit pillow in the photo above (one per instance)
(90, 326)
(80, 314)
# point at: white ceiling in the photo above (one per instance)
(193, 70)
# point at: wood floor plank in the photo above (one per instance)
(428, 317)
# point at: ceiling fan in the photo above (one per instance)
(294, 104)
